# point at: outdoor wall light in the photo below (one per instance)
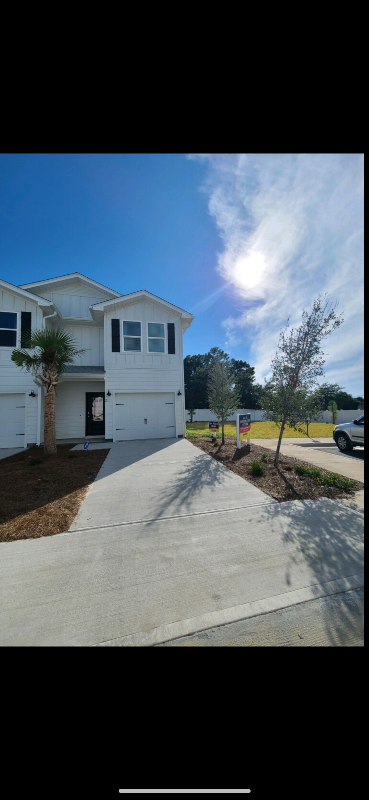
(32, 394)
(179, 392)
(108, 394)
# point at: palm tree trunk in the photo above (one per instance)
(49, 423)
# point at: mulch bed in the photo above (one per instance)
(41, 499)
(281, 482)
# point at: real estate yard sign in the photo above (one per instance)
(243, 426)
(214, 426)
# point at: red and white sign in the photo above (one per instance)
(244, 422)
(243, 426)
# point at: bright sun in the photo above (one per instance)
(248, 270)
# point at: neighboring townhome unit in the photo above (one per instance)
(128, 383)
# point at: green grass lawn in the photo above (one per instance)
(262, 430)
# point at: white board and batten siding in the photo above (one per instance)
(73, 300)
(89, 338)
(151, 381)
(18, 411)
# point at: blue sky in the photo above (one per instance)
(241, 241)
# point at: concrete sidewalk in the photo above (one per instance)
(168, 542)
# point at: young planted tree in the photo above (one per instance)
(333, 410)
(308, 410)
(191, 410)
(298, 363)
(54, 349)
(223, 395)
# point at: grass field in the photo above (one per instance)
(262, 430)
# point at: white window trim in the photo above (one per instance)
(132, 352)
(17, 329)
(163, 338)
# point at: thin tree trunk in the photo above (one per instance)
(279, 443)
(49, 423)
(222, 431)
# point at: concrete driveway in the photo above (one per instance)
(169, 542)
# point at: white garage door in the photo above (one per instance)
(144, 416)
(12, 420)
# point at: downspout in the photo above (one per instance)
(48, 317)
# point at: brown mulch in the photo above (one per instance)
(281, 482)
(41, 499)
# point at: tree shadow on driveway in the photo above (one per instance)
(329, 537)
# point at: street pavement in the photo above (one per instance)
(169, 542)
(336, 620)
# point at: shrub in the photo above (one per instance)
(264, 457)
(325, 479)
(257, 468)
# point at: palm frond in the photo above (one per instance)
(53, 347)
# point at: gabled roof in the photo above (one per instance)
(41, 301)
(144, 294)
(58, 282)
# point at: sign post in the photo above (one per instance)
(243, 425)
(214, 426)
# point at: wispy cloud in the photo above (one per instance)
(292, 228)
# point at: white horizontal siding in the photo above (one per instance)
(31, 416)
(70, 407)
(145, 380)
(14, 379)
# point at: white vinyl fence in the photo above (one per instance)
(205, 415)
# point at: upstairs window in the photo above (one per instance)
(132, 337)
(8, 329)
(156, 337)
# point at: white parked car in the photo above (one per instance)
(349, 434)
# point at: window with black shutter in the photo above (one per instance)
(8, 329)
(171, 339)
(115, 336)
(26, 318)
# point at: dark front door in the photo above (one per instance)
(95, 413)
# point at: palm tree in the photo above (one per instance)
(53, 348)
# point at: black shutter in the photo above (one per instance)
(171, 339)
(26, 317)
(115, 336)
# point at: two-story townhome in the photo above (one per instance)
(128, 384)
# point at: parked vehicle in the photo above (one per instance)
(349, 434)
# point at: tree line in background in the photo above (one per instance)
(291, 396)
(197, 370)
